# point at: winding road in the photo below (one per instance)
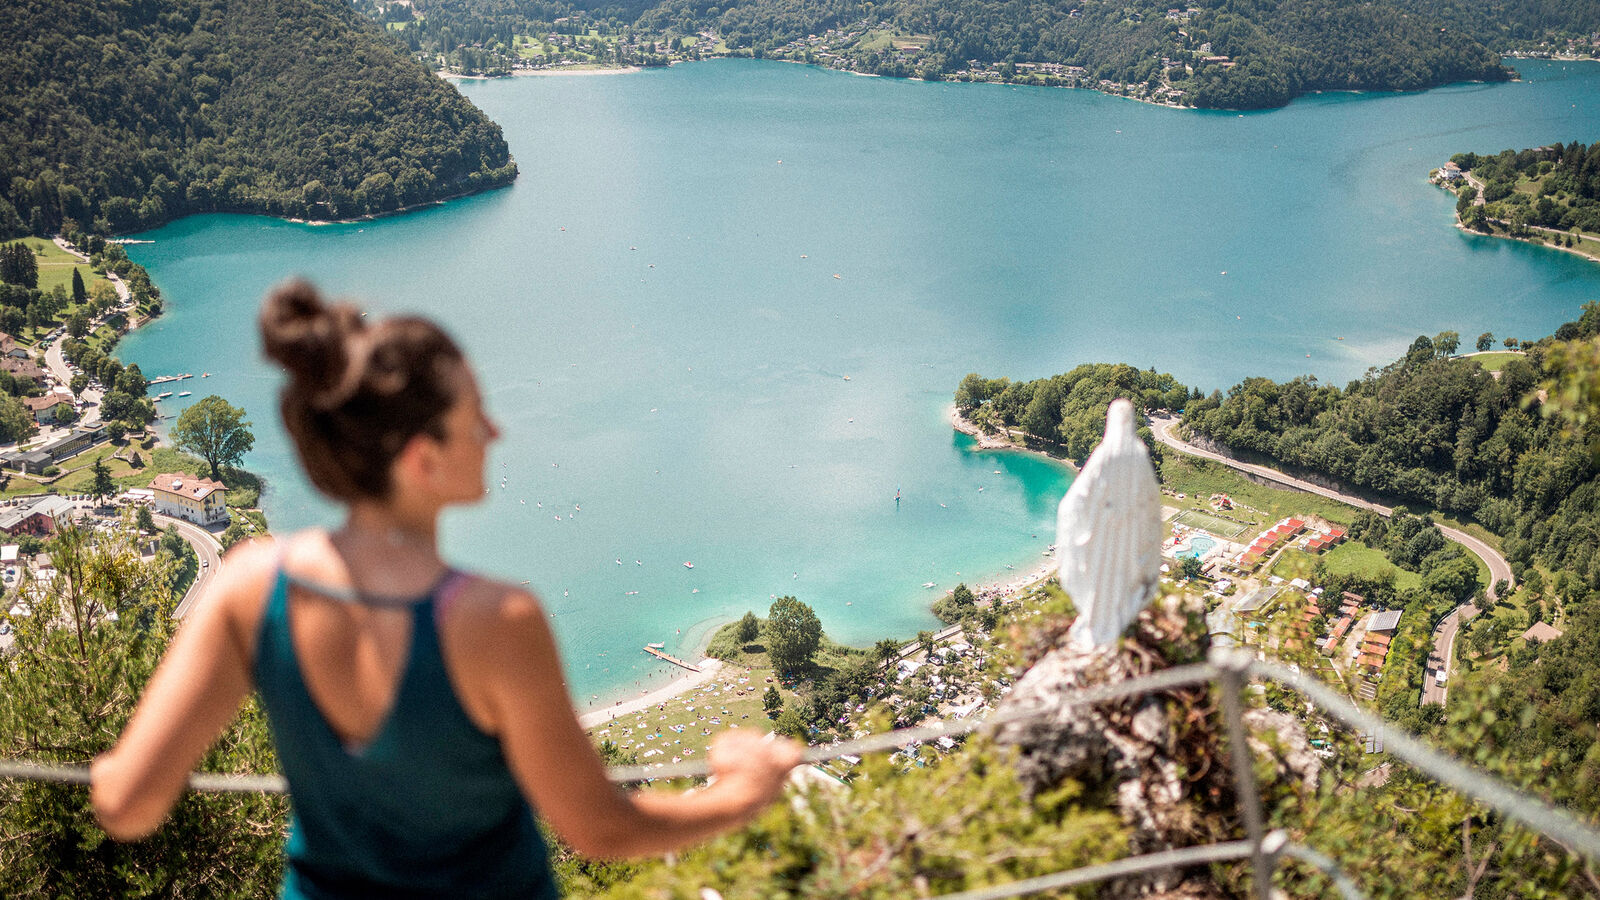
(1445, 634)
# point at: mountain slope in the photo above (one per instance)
(128, 113)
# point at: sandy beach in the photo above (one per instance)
(559, 70)
(600, 715)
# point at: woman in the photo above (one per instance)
(419, 713)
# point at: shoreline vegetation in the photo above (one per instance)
(129, 120)
(1547, 195)
(1222, 58)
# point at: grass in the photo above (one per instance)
(1292, 564)
(1194, 518)
(1494, 362)
(1201, 478)
(1356, 558)
(56, 265)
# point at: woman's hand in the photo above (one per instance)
(754, 764)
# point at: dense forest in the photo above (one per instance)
(1557, 186)
(123, 114)
(1214, 53)
(1517, 453)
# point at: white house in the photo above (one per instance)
(198, 500)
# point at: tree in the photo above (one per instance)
(79, 292)
(215, 431)
(793, 634)
(102, 486)
(16, 423)
(1447, 342)
(67, 694)
(749, 628)
(1510, 343)
(234, 533)
(1191, 567)
(772, 702)
(1485, 341)
(78, 383)
(886, 649)
(145, 521)
(77, 325)
(792, 724)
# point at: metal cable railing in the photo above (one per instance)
(1231, 668)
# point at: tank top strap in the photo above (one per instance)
(448, 590)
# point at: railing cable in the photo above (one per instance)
(1230, 667)
(1528, 810)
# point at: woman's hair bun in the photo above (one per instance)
(310, 339)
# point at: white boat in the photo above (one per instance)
(163, 395)
(688, 565)
(928, 585)
(657, 646)
(184, 393)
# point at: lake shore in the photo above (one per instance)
(988, 441)
(562, 70)
(594, 717)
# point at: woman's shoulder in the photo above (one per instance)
(496, 601)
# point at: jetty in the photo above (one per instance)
(163, 379)
(671, 659)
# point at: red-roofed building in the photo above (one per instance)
(198, 500)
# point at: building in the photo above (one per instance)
(46, 409)
(33, 462)
(198, 500)
(1543, 632)
(78, 440)
(1386, 621)
(39, 517)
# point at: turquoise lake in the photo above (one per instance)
(654, 311)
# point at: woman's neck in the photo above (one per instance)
(386, 529)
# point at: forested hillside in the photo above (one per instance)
(123, 114)
(1436, 430)
(1557, 186)
(1213, 53)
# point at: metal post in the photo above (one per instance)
(1231, 668)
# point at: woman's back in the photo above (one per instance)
(421, 802)
(416, 739)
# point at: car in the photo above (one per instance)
(1439, 678)
(205, 563)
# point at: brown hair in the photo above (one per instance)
(357, 393)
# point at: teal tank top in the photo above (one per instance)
(427, 809)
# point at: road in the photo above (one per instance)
(207, 547)
(1444, 635)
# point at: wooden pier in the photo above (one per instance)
(671, 659)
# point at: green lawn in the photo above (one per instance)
(56, 265)
(1494, 362)
(1354, 557)
(1201, 478)
(78, 482)
(1195, 518)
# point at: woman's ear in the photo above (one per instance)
(418, 465)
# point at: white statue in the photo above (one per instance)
(1108, 534)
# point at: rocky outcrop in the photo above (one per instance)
(1159, 756)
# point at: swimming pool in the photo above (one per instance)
(1199, 545)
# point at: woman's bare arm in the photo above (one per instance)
(559, 770)
(190, 699)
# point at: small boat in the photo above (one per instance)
(163, 395)
(185, 393)
(205, 374)
(928, 585)
(657, 646)
(688, 565)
